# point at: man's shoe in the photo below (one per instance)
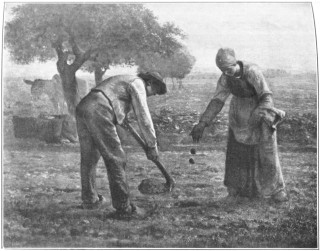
(232, 192)
(130, 212)
(95, 205)
(280, 197)
(137, 211)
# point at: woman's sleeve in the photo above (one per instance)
(257, 80)
(265, 108)
(222, 91)
(217, 102)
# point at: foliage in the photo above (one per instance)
(181, 64)
(153, 62)
(178, 65)
(103, 34)
(112, 33)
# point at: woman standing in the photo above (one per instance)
(252, 162)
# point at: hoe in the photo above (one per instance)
(151, 185)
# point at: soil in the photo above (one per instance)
(42, 196)
(41, 183)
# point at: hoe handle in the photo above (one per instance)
(170, 181)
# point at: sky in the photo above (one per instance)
(272, 35)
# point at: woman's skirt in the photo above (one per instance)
(240, 165)
(254, 170)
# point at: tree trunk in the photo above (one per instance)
(71, 93)
(69, 85)
(70, 90)
(98, 74)
(180, 84)
(173, 84)
(68, 75)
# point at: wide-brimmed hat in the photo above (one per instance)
(156, 78)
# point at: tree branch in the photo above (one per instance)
(75, 48)
(62, 56)
(79, 60)
(57, 45)
(105, 68)
(80, 56)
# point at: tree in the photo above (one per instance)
(153, 62)
(177, 65)
(181, 64)
(91, 36)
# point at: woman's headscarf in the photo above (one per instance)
(225, 58)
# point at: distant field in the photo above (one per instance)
(296, 95)
(292, 94)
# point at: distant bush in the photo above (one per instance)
(273, 73)
(197, 76)
(309, 76)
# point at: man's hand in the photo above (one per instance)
(152, 153)
(197, 131)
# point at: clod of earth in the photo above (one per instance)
(74, 232)
(193, 151)
(191, 161)
(153, 186)
(187, 203)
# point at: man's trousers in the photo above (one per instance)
(98, 137)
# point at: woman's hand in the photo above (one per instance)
(197, 131)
